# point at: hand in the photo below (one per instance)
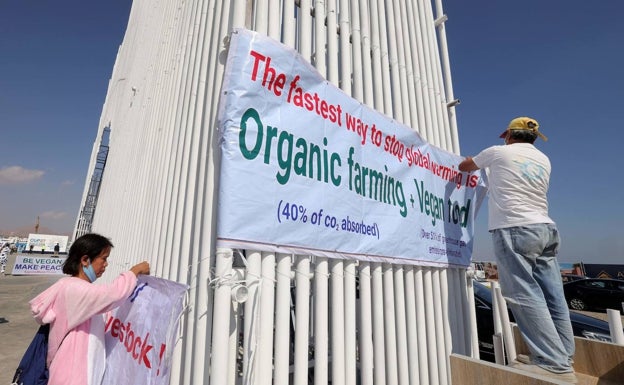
(141, 268)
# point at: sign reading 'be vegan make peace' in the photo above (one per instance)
(307, 169)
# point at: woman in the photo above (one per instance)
(74, 309)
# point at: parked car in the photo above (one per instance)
(582, 325)
(594, 294)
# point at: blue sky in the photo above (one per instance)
(557, 61)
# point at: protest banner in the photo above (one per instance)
(33, 265)
(141, 333)
(308, 169)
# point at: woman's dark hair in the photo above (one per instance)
(90, 245)
(524, 136)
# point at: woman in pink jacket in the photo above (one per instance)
(74, 308)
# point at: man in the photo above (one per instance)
(526, 242)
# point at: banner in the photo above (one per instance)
(141, 333)
(46, 242)
(33, 265)
(307, 169)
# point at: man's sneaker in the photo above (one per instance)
(523, 358)
(568, 377)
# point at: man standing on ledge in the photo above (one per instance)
(526, 242)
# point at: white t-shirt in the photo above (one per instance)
(518, 176)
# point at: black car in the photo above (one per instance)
(595, 294)
(582, 325)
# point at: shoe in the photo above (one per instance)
(524, 359)
(568, 377)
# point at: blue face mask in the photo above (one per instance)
(90, 273)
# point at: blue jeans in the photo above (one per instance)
(530, 281)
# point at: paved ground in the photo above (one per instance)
(16, 334)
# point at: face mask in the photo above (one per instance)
(90, 273)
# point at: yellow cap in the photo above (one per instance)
(524, 123)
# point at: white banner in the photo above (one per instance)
(307, 169)
(46, 242)
(141, 333)
(34, 265)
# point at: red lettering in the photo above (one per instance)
(115, 330)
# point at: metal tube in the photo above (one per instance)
(412, 322)
(379, 374)
(390, 326)
(440, 327)
(385, 60)
(320, 38)
(366, 326)
(356, 52)
(221, 322)
(333, 74)
(615, 326)
(474, 338)
(252, 314)
(337, 322)
(401, 327)
(432, 346)
(423, 357)
(510, 345)
(350, 326)
(321, 322)
(282, 320)
(302, 320)
(267, 307)
(448, 81)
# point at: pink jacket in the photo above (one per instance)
(73, 307)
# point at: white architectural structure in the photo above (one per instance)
(273, 318)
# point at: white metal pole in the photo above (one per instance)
(345, 48)
(320, 38)
(356, 51)
(282, 320)
(378, 89)
(366, 326)
(440, 327)
(221, 322)
(401, 327)
(305, 30)
(421, 309)
(337, 322)
(378, 326)
(367, 74)
(432, 346)
(385, 60)
(233, 345)
(350, 326)
(333, 74)
(474, 338)
(267, 311)
(412, 322)
(448, 81)
(302, 320)
(252, 314)
(510, 345)
(321, 322)
(615, 326)
(499, 349)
